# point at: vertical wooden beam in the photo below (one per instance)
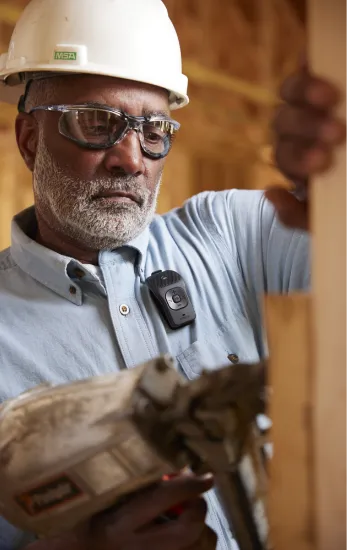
(291, 497)
(327, 44)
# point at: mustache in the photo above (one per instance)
(125, 184)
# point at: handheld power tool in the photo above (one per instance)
(68, 452)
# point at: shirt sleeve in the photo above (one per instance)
(271, 257)
(12, 538)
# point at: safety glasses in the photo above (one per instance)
(96, 127)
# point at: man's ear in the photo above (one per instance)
(27, 133)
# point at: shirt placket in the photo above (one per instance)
(130, 327)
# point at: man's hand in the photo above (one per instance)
(135, 525)
(306, 132)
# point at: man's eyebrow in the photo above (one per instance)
(145, 112)
(149, 113)
(92, 104)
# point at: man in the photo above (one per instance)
(95, 128)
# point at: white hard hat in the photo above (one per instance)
(130, 39)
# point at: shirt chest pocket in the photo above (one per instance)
(211, 352)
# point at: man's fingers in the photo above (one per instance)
(153, 503)
(298, 160)
(302, 88)
(306, 134)
(290, 211)
(182, 532)
(208, 541)
(194, 512)
(310, 125)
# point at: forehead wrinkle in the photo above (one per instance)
(133, 101)
(137, 108)
(124, 95)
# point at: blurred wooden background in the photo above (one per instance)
(236, 53)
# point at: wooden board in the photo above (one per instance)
(290, 372)
(327, 41)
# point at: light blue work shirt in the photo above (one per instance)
(57, 325)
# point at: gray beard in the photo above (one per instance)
(66, 205)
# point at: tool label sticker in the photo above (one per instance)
(50, 495)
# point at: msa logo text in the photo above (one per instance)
(65, 56)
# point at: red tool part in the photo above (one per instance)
(175, 511)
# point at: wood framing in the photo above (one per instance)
(307, 344)
(327, 44)
(291, 470)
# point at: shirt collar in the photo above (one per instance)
(139, 245)
(52, 269)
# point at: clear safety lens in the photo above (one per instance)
(98, 128)
(92, 126)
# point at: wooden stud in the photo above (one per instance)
(291, 481)
(327, 41)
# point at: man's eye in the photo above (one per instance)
(153, 137)
(95, 130)
(153, 134)
(100, 128)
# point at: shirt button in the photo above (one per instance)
(72, 290)
(79, 273)
(124, 309)
(233, 358)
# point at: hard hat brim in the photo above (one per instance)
(11, 94)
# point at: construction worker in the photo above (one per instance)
(99, 82)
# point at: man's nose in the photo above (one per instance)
(126, 155)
